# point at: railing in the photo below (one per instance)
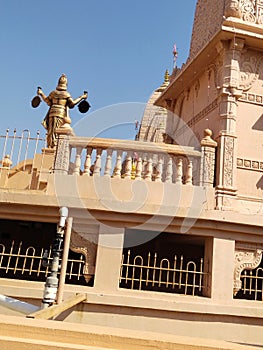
(19, 156)
(21, 148)
(125, 159)
(181, 275)
(134, 160)
(252, 285)
(17, 261)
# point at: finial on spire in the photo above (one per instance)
(166, 81)
(166, 76)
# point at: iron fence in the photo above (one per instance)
(177, 275)
(18, 261)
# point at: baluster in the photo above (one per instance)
(77, 165)
(97, 165)
(144, 165)
(179, 171)
(138, 175)
(128, 166)
(87, 164)
(108, 163)
(117, 169)
(159, 169)
(149, 168)
(169, 170)
(189, 173)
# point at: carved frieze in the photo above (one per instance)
(245, 259)
(247, 10)
(252, 98)
(249, 164)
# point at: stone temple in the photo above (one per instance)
(163, 238)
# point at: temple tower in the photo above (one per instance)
(220, 88)
(153, 123)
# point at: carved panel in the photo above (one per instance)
(245, 260)
(250, 69)
(62, 156)
(228, 160)
(79, 244)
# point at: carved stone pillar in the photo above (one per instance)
(245, 259)
(62, 155)
(207, 171)
(226, 190)
(88, 247)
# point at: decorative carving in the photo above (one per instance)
(252, 98)
(250, 68)
(244, 260)
(79, 244)
(232, 9)
(250, 164)
(208, 159)
(247, 10)
(228, 160)
(61, 164)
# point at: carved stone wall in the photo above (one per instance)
(210, 14)
(208, 20)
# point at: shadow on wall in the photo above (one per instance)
(260, 183)
(259, 124)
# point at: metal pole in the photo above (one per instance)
(51, 285)
(64, 261)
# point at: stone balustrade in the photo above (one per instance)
(135, 160)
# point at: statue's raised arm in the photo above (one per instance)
(59, 101)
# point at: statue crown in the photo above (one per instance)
(62, 82)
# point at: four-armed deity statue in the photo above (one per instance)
(59, 101)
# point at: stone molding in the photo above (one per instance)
(245, 259)
(252, 98)
(249, 164)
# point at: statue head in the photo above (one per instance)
(62, 83)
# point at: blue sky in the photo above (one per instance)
(118, 50)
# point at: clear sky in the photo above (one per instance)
(118, 50)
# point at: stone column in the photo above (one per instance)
(226, 190)
(109, 256)
(62, 155)
(207, 171)
(220, 253)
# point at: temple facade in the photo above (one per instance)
(164, 232)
